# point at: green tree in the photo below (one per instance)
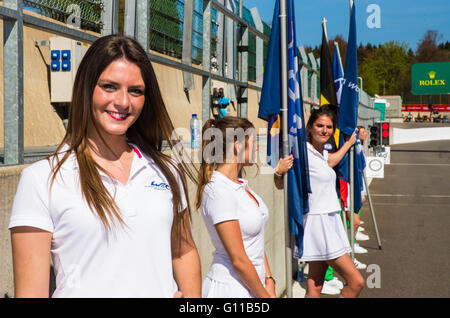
(386, 69)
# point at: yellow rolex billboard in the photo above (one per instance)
(430, 78)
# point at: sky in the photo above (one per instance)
(403, 21)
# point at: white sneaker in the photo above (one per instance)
(335, 282)
(361, 229)
(358, 249)
(359, 236)
(361, 222)
(359, 265)
(329, 289)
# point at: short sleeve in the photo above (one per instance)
(182, 193)
(31, 202)
(220, 204)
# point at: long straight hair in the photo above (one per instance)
(213, 159)
(147, 132)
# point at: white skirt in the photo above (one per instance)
(212, 288)
(324, 237)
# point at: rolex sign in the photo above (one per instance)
(430, 78)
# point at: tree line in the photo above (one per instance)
(386, 68)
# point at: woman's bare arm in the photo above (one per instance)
(186, 262)
(31, 261)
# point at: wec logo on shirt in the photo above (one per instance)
(159, 186)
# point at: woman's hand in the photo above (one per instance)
(178, 294)
(352, 139)
(270, 288)
(284, 164)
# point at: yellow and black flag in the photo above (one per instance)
(327, 89)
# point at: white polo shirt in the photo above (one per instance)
(323, 197)
(128, 261)
(224, 200)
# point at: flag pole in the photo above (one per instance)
(352, 185)
(324, 24)
(285, 142)
(339, 56)
(372, 211)
(352, 202)
(344, 216)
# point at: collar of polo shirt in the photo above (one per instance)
(234, 185)
(72, 164)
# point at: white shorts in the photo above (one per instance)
(324, 237)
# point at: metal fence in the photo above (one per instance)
(86, 13)
(234, 52)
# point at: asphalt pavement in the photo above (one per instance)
(412, 209)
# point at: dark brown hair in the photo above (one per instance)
(147, 132)
(208, 164)
(325, 110)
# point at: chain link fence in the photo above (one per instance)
(85, 14)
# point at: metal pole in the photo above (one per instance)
(129, 28)
(352, 202)
(352, 183)
(284, 121)
(13, 111)
(186, 57)
(372, 211)
(324, 24)
(206, 61)
(143, 23)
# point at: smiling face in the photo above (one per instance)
(321, 130)
(118, 99)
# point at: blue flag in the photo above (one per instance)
(349, 99)
(269, 109)
(270, 103)
(348, 114)
(337, 74)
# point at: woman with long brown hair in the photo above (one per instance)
(108, 207)
(325, 240)
(234, 215)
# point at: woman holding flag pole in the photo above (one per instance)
(325, 239)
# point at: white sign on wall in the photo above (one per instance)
(374, 167)
(385, 153)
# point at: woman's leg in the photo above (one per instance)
(345, 267)
(356, 221)
(316, 274)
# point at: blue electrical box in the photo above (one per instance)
(65, 66)
(55, 66)
(65, 55)
(55, 55)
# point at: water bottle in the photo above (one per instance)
(195, 132)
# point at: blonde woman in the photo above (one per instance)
(234, 214)
(108, 206)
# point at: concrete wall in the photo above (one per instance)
(9, 178)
